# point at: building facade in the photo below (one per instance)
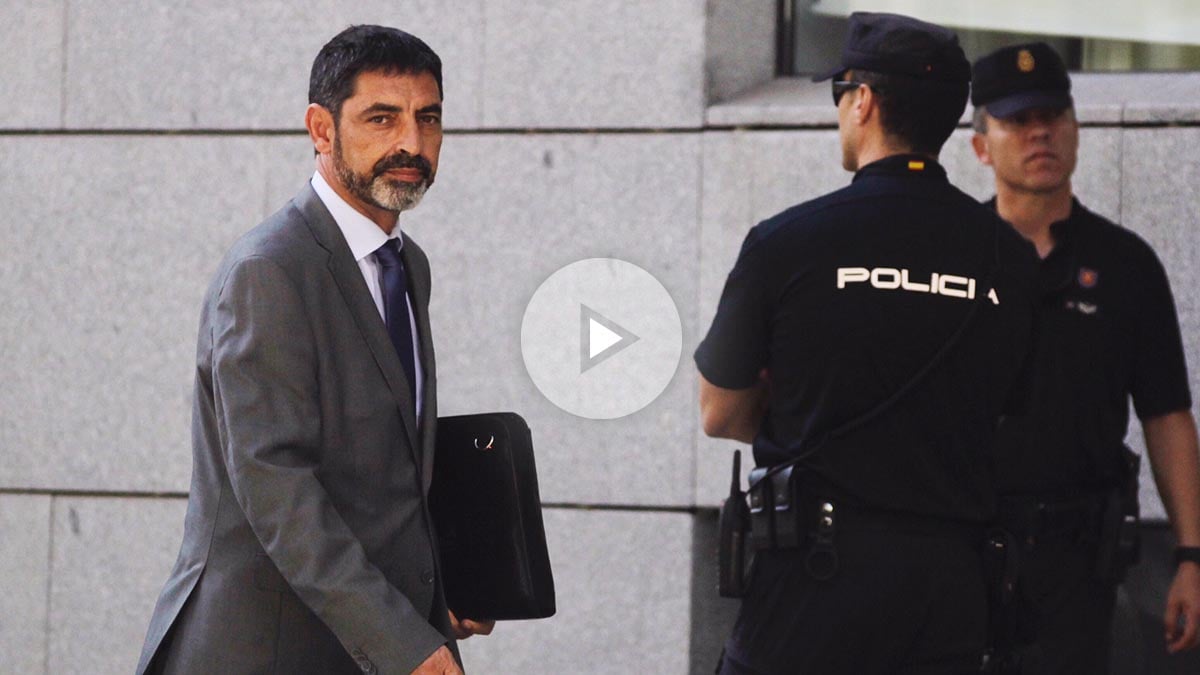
(143, 136)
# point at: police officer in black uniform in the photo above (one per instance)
(1107, 332)
(874, 336)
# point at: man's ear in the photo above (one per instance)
(865, 104)
(321, 129)
(979, 143)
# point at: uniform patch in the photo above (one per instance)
(1025, 62)
(1085, 308)
(1088, 277)
(916, 165)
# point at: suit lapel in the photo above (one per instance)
(348, 277)
(418, 274)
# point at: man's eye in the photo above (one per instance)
(431, 119)
(378, 119)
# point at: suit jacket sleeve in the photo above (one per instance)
(266, 387)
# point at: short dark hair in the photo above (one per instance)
(918, 113)
(360, 49)
(979, 119)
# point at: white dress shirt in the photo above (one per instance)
(364, 238)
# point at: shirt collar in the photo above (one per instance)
(362, 234)
(1057, 270)
(1062, 230)
(905, 164)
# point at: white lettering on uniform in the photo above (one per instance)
(852, 275)
(878, 282)
(911, 285)
(945, 289)
(891, 278)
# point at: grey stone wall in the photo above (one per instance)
(141, 137)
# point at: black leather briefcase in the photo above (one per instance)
(488, 516)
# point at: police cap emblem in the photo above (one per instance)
(1025, 62)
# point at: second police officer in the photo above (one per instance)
(1108, 333)
(873, 337)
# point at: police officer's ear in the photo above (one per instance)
(865, 104)
(980, 144)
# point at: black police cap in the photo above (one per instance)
(1017, 78)
(901, 45)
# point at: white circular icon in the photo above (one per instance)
(601, 338)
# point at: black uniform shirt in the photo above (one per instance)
(1107, 330)
(838, 300)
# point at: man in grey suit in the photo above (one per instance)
(308, 545)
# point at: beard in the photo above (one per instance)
(378, 190)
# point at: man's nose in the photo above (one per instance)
(1039, 128)
(408, 138)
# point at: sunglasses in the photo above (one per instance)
(840, 87)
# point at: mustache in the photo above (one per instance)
(403, 160)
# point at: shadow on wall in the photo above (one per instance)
(1137, 629)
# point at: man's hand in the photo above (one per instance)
(468, 627)
(1174, 451)
(1183, 602)
(440, 662)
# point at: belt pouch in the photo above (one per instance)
(1120, 539)
(762, 510)
(788, 532)
(1120, 543)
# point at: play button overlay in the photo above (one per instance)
(601, 338)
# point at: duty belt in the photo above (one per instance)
(1032, 517)
(784, 517)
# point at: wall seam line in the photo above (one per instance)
(481, 104)
(62, 85)
(46, 627)
(696, 300)
(1121, 174)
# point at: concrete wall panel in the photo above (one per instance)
(507, 64)
(109, 243)
(111, 558)
(622, 583)
(594, 64)
(31, 74)
(235, 65)
(24, 581)
(740, 46)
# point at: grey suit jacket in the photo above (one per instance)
(308, 545)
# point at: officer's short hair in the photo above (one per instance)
(979, 120)
(920, 114)
(361, 49)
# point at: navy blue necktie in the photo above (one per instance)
(395, 307)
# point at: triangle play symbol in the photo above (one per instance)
(599, 338)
